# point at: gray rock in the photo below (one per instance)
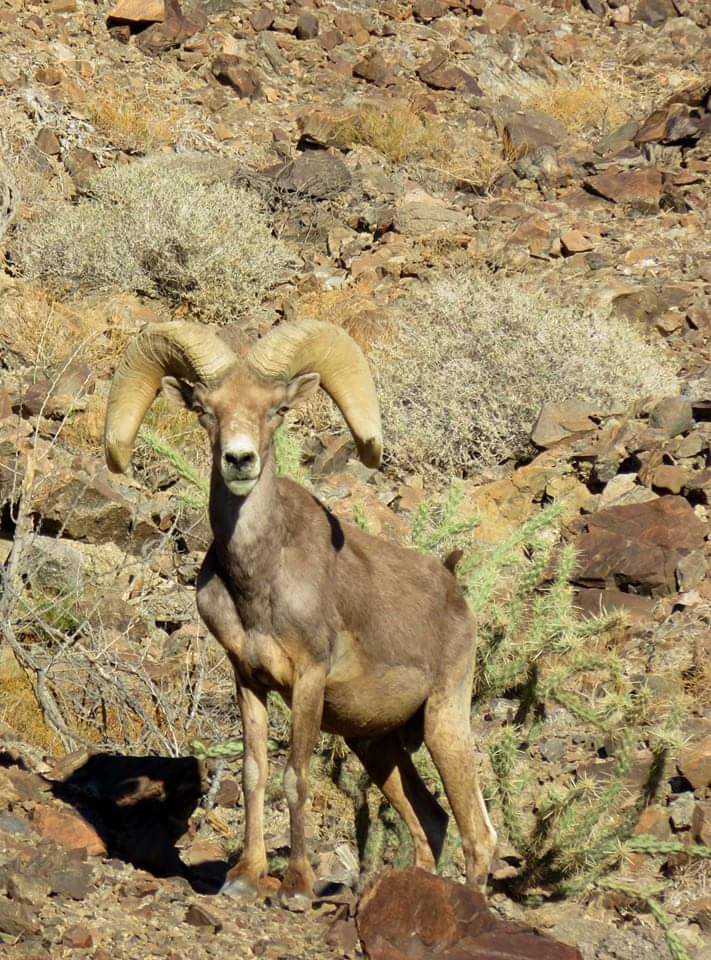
(681, 811)
(673, 415)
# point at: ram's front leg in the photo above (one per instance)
(306, 712)
(249, 875)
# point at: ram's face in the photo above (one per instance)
(240, 417)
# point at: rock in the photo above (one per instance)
(198, 916)
(595, 602)
(78, 937)
(574, 241)
(375, 69)
(412, 913)
(654, 822)
(700, 911)
(17, 919)
(681, 811)
(628, 186)
(315, 173)
(234, 72)
(701, 823)
(307, 26)
(673, 415)
(175, 29)
(669, 479)
(503, 18)
(654, 12)
(695, 764)
(440, 74)
(137, 12)
(417, 214)
(48, 142)
(558, 421)
(229, 793)
(81, 166)
(552, 749)
(26, 888)
(525, 132)
(262, 19)
(639, 545)
(427, 10)
(68, 830)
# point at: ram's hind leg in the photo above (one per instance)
(448, 738)
(391, 768)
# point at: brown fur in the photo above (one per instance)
(362, 637)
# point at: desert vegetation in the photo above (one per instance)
(156, 228)
(506, 208)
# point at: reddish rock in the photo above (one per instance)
(233, 72)
(640, 544)
(427, 10)
(78, 937)
(525, 132)
(375, 69)
(654, 12)
(501, 18)
(439, 74)
(654, 822)
(573, 241)
(695, 764)
(48, 142)
(49, 76)
(411, 913)
(307, 26)
(628, 186)
(68, 830)
(81, 166)
(701, 823)
(262, 19)
(669, 479)
(137, 11)
(175, 29)
(198, 916)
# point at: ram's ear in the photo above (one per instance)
(301, 388)
(183, 393)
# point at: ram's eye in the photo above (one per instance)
(279, 411)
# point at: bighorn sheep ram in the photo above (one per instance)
(361, 637)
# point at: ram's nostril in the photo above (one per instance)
(243, 460)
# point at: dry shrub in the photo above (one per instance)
(476, 357)
(19, 708)
(156, 228)
(129, 121)
(593, 105)
(399, 131)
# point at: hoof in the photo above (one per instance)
(239, 887)
(295, 901)
(246, 887)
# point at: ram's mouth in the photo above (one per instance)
(242, 487)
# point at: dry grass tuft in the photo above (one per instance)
(156, 228)
(398, 131)
(131, 122)
(476, 357)
(594, 105)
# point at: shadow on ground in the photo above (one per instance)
(140, 807)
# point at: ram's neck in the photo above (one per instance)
(249, 531)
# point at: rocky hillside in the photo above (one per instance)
(507, 205)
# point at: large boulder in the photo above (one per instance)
(411, 913)
(644, 546)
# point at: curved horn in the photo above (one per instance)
(187, 350)
(312, 346)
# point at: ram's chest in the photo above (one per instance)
(267, 661)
